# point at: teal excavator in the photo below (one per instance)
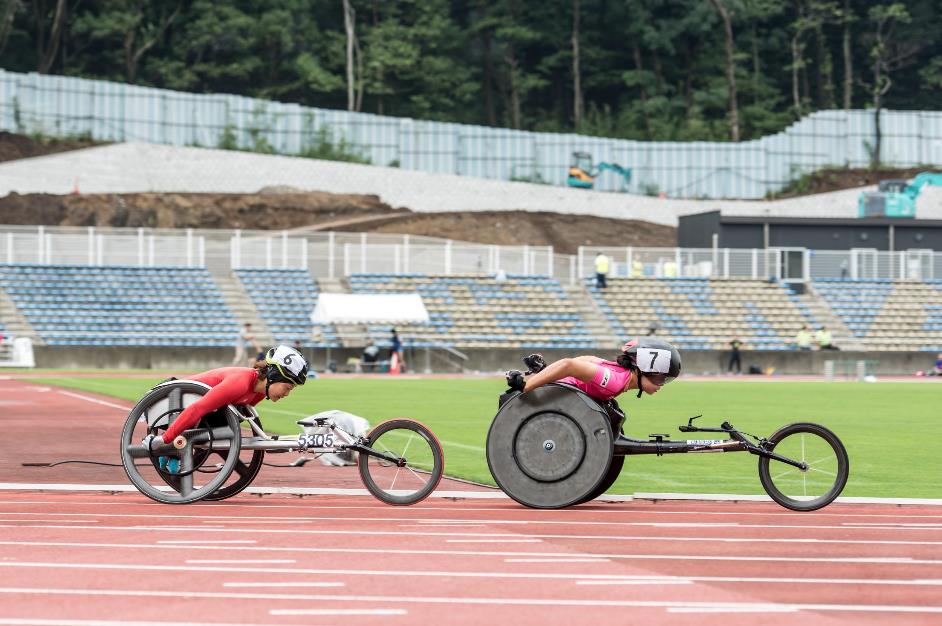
(582, 172)
(895, 197)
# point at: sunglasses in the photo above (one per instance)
(659, 379)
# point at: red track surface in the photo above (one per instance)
(81, 558)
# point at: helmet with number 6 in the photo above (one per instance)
(285, 365)
(655, 359)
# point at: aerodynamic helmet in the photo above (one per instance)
(656, 359)
(285, 365)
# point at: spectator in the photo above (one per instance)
(601, 271)
(803, 338)
(937, 368)
(844, 269)
(823, 338)
(500, 276)
(637, 268)
(396, 349)
(734, 357)
(652, 329)
(244, 342)
(369, 357)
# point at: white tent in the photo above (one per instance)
(369, 308)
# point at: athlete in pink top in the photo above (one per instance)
(644, 364)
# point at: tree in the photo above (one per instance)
(349, 24)
(847, 18)
(8, 11)
(888, 53)
(47, 45)
(578, 108)
(730, 68)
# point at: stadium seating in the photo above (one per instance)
(285, 299)
(888, 315)
(703, 313)
(120, 305)
(470, 311)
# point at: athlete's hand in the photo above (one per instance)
(534, 363)
(515, 380)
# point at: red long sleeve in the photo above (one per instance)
(230, 385)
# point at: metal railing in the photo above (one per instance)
(335, 255)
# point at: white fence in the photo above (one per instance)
(335, 255)
(59, 105)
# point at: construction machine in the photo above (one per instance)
(895, 197)
(582, 173)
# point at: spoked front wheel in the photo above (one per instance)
(826, 467)
(408, 464)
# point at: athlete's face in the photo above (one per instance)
(649, 386)
(277, 391)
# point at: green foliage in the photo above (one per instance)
(649, 69)
(323, 145)
(866, 417)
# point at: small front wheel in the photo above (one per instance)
(410, 466)
(804, 489)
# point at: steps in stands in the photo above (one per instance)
(242, 307)
(595, 321)
(14, 323)
(823, 314)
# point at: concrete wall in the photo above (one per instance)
(700, 362)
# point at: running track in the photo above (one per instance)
(96, 557)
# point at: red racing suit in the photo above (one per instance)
(230, 385)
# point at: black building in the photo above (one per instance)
(815, 233)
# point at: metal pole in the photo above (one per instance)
(405, 254)
(140, 246)
(363, 253)
(40, 239)
(331, 244)
(189, 247)
(284, 249)
(268, 252)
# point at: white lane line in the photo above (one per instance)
(485, 537)
(757, 608)
(239, 561)
(762, 580)
(58, 521)
(559, 560)
(7, 621)
(206, 541)
(778, 512)
(281, 519)
(284, 571)
(442, 525)
(96, 401)
(640, 581)
(401, 599)
(338, 612)
(906, 560)
(282, 584)
(493, 540)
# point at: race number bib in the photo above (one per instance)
(317, 440)
(653, 360)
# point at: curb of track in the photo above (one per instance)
(492, 494)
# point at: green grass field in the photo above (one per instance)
(892, 431)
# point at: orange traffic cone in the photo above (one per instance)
(394, 363)
(75, 187)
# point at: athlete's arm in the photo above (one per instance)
(583, 367)
(228, 391)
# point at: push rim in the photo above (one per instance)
(152, 415)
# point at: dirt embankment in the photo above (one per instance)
(282, 209)
(326, 211)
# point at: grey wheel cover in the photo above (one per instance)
(551, 447)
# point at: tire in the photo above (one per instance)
(614, 471)
(821, 483)
(141, 467)
(423, 468)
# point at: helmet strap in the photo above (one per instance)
(638, 374)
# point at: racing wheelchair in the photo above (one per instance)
(556, 446)
(400, 461)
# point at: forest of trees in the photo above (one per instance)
(637, 69)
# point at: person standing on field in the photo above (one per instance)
(601, 271)
(244, 343)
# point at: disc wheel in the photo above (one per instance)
(419, 462)
(614, 471)
(804, 489)
(153, 415)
